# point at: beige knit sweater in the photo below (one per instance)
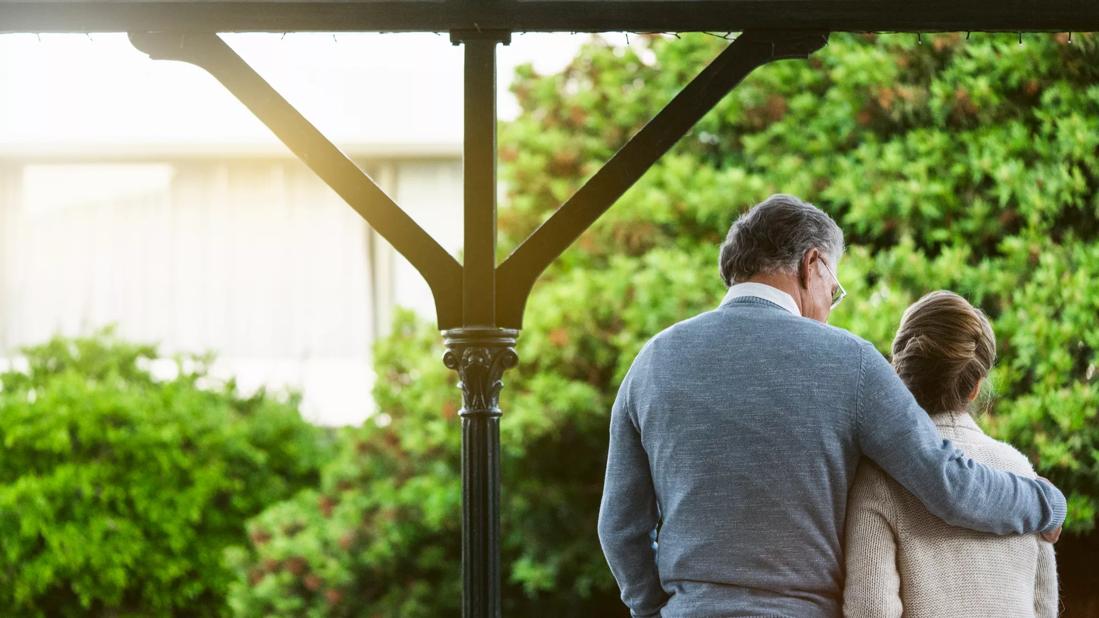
(902, 560)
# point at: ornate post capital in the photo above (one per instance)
(480, 356)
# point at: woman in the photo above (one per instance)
(901, 559)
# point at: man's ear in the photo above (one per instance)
(803, 267)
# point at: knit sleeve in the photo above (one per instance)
(628, 514)
(1046, 603)
(873, 585)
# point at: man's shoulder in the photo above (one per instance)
(779, 322)
(838, 335)
(779, 330)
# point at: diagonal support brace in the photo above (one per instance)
(516, 275)
(209, 52)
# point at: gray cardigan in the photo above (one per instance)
(734, 440)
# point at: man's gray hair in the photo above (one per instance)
(774, 235)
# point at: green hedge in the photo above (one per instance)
(951, 163)
(120, 492)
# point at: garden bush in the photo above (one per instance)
(971, 165)
(119, 492)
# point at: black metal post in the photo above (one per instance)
(479, 182)
(480, 356)
(479, 351)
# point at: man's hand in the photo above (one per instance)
(1052, 535)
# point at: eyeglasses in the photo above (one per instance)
(839, 293)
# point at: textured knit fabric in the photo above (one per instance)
(734, 439)
(901, 559)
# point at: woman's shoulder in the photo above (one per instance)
(1005, 456)
(968, 436)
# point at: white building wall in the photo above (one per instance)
(256, 260)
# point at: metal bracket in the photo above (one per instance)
(516, 275)
(208, 51)
(503, 37)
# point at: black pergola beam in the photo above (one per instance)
(516, 275)
(548, 15)
(207, 51)
(478, 349)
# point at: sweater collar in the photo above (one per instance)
(955, 420)
(764, 291)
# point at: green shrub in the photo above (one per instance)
(378, 535)
(968, 165)
(119, 492)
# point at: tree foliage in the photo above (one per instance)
(119, 491)
(951, 163)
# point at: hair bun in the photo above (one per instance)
(928, 347)
(943, 349)
(920, 345)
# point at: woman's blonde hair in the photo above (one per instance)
(943, 349)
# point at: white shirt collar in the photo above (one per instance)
(764, 291)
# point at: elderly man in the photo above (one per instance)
(736, 433)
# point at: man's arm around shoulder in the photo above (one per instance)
(628, 514)
(897, 434)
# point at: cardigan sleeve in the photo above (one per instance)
(872, 588)
(1046, 603)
